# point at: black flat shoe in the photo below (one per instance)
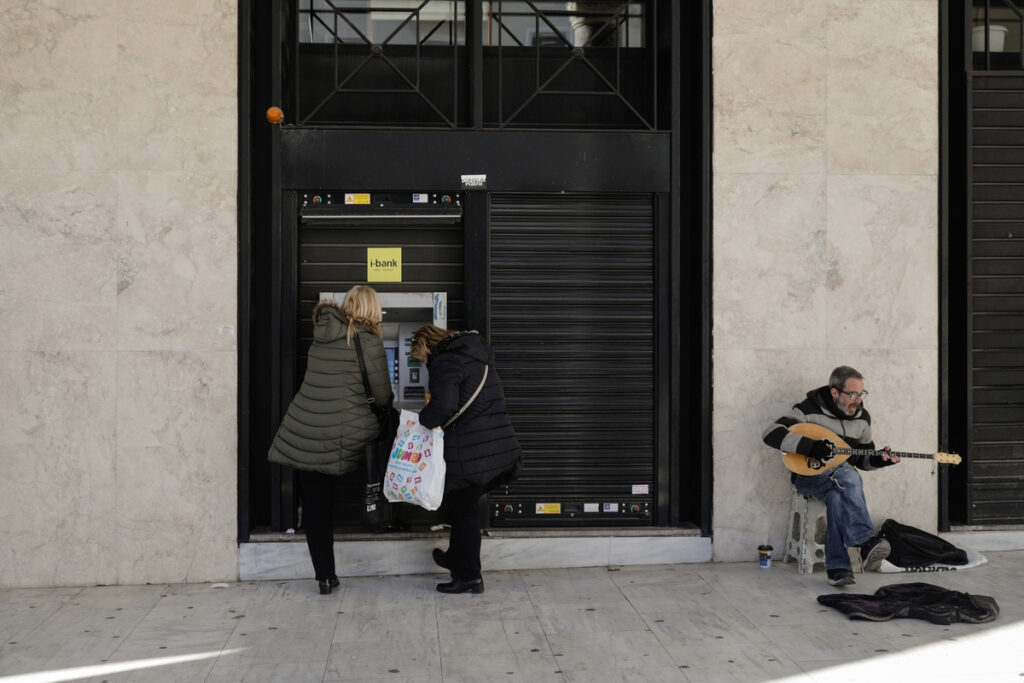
(441, 559)
(473, 586)
(328, 584)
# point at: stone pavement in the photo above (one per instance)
(682, 622)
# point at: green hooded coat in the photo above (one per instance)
(329, 422)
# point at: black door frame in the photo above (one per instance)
(635, 160)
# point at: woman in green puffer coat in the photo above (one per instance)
(328, 423)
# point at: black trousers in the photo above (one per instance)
(462, 510)
(318, 520)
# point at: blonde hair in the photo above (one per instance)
(361, 308)
(425, 339)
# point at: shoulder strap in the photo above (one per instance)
(362, 369)
(471, 399)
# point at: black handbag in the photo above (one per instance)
(376, 513)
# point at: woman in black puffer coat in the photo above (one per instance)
(481, 450)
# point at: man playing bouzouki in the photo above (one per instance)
(839, 407)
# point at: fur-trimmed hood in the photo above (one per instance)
(329, 322)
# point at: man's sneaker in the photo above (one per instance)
(839, 577)
(872, 552)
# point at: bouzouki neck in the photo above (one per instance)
(868, 452)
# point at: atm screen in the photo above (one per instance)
(392, 354)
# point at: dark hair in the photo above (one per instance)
(838, 378)
(425, 339)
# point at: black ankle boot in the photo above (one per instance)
(457, 586)
(326, 585)
(441, 559)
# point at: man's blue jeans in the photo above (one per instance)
(848, 522)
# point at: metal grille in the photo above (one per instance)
(527, 64)
(572, 56)
(995, 464)
(572, 325)
(378, 62)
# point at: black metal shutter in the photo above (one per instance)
(572, 285)
(995, 476)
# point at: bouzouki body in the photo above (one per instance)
(810, 467)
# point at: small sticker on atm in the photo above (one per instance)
(591, 507)
(357, 197)
(641, 489)
(548, 509)
(419, 198)
(610, 507)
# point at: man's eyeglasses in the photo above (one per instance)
(855, 394)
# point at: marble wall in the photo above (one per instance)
(118, 175)
(118, 269)
(825, 242)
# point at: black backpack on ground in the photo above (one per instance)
(912, 547)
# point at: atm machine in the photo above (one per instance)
(404, 313)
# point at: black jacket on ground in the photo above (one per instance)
(481, 446)
(915, 601)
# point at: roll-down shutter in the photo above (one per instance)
(572, 284)
(995, 462)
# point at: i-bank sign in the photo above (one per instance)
(383, 264)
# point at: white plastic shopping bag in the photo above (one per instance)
(416, 468)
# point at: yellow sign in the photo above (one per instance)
(357, 197)
(383, 264)
(548, 509)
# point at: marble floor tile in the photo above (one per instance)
(501, 667)
(87, 630)
(578, 574)
(186, 672)
(665, 674)
(399, 623)
(607, 651)
(671, 574)
(805, 642)
(584, 617)
(167, 638)
(728, 660)
(662, 598)
(364, 661)
(307, 644)
(25, 609)
(472, 637)
(266, 672)
(386, 592)
(569, 590)
(483, 607)
(695, 626)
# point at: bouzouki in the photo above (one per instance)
(841, 452)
